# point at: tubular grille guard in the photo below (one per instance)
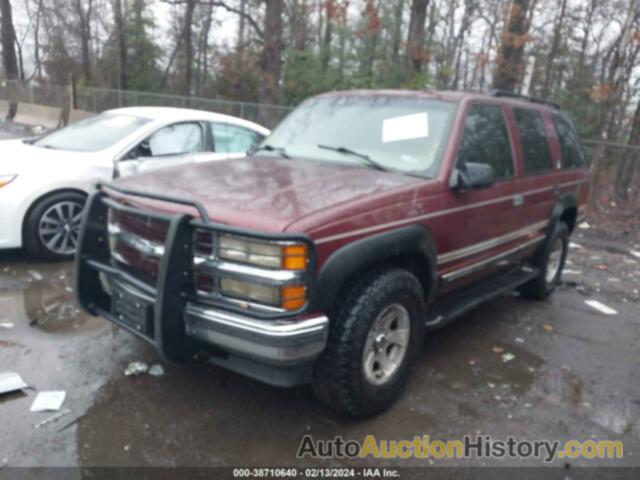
(178, 243)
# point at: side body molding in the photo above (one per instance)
(364, 253)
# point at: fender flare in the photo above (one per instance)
(369, 251)
(564, 201)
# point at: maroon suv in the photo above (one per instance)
(366, 219)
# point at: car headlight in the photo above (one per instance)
(259, 272)
(6, 180)
(291, 256)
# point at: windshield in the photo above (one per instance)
(92, 134)
(407, 134)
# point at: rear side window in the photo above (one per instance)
(485, 140)
(535, 146)
(572, 152)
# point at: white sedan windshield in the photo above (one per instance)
(92, 134)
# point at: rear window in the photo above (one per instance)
(485, 140)
(535, 146)
(572, 152)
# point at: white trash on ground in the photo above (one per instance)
(7, 325)
(11, 382)
(53, 418)
(156, 370)
(50, 401)
(601, 307)
(136, 368)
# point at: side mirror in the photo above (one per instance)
(473, 176)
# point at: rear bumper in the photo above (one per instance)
(279, 351)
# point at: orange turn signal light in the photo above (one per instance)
(293, 297)
(295, 257)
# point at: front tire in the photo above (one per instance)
(52, 227)
(550, 262)
(376, 337)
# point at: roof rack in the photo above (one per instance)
(505, 93)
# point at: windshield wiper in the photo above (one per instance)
(270, 148)
(363, 156)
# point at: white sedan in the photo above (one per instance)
(44, 182)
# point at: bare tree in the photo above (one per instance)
(8, 41)
(415, 54)
(118, 18)
(511, 56)
(271, 57)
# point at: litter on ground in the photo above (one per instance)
(6, 325)
(50, 401)
(601, 307)
(507, 357)
(156, 370)
(53, 418)
(136, 368)
(11, 382)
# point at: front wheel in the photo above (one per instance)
(52, 228)
(375, 339)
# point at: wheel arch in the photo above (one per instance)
(411, 247)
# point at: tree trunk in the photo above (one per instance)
(553, 51)
(414, 53)
(84, 20)
(271, 57)
(187, 45)
(330, 7)
(511, 57)
(8, 40)
(122, 45)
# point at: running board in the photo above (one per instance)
(451, 306)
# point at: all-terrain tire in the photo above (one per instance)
(552, 256)
(339, 377)
(70, 205)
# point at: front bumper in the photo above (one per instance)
(279, 351)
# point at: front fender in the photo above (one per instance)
(368, 252)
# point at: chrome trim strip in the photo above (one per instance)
(491, 243)
(405, 221)
(146, 247)
(248, 272)
(456, 274)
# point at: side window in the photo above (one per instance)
(177, 139)
(535, 145)
(572, 152)
(485, 140)
(233, 139)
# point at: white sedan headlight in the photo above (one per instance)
(6, 180)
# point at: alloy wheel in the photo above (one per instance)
(59, 227)
(386, 344)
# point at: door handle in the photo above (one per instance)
(518, 200)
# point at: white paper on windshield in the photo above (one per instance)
(121, 121)
(407, 127)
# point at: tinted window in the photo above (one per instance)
(233, 139)
(93, 134)
(535, 147)
(485, 140)
(178, 139)
(572, 152)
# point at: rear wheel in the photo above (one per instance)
(376, 337)
(550, 262)
(52, 227)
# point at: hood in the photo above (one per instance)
(263, 193)
(19, 157)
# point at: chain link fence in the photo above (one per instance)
(99, 99)
(613, 164)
